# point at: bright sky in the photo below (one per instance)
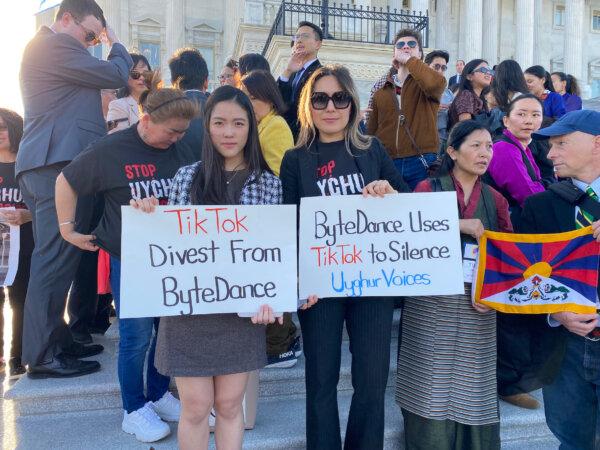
(17, 27)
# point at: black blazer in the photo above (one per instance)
(453, 81)
(291, 100)
(543, 213)
(299, 171)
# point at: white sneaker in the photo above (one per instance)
(145, 424)
(168, 408)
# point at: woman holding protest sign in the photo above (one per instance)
(132, 167)
(446, 382)
(331, 148)
(211, 356)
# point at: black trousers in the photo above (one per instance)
(521, 352)
(86, 308)
(369, 325)
(16, 295)
(53, 265)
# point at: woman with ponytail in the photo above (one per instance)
(117, 166)
(446, 381)
(568, 87)
(539, 84)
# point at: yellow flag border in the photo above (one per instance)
(528, 238)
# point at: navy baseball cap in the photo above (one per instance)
(585, 120)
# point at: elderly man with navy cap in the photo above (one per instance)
(568, 344)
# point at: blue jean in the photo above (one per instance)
(571, 402)
(412, 168)
(135, 336)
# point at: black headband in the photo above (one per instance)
(153, 110)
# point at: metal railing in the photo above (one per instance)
(347, 22)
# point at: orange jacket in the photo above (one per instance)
(421, 94)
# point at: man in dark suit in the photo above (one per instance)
(568, 341)
(60, 85)
(303, 62)
(455, 79)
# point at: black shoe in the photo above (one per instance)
(77, 350)
(15, 368)
(82, 337)
(63, 367)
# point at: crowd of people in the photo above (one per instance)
(500, 137)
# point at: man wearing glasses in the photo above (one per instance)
(303, 62)
(60, 85)
(404, 109)
(567, 345)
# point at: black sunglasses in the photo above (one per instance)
(442, 67)
(401, 44)
(340, 99)
(135, 75)
(485, 71)
(90, 37)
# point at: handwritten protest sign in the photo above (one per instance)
(403, 244)
(208, 259)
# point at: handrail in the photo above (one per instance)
(347, 22)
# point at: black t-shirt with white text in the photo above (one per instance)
(11, 197)
(122, 166)
(337, 172)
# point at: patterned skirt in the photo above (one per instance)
(447, 360)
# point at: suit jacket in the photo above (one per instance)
(194, 135)
(299, 171)
(542, 213)
(123, 108)
(453, 81)
(291, 100)
(60, 86)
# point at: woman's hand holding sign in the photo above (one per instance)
(310, 301)
(265, 316)
(378, 188)
(147, 205)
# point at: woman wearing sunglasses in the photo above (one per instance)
(125, 111)
(333, 158)
(469, 102)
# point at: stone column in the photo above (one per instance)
(525, 12)
(420, 6)
(175, 32)
(442, 14)
(574, 26)
(539, 34)
(491, 15)
(471, 30)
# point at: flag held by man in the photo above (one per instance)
(538, 273)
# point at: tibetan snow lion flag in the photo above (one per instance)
(538, 273)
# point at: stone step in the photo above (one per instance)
(280, 424)
(100, 391)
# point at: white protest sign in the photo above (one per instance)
(10, 242)
(208, 259)
(402, 244)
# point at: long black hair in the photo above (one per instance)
(509, 79)
(540, 72)
(14, 126)
(209, 185)
(261, 85)
(465, 84)
(572, 86)
(458, 135)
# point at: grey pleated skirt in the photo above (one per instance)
(209, 345)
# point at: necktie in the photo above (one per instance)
(296, 82)
(584, 218)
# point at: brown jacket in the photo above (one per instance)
(421, 94)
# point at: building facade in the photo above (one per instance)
(561, 35)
